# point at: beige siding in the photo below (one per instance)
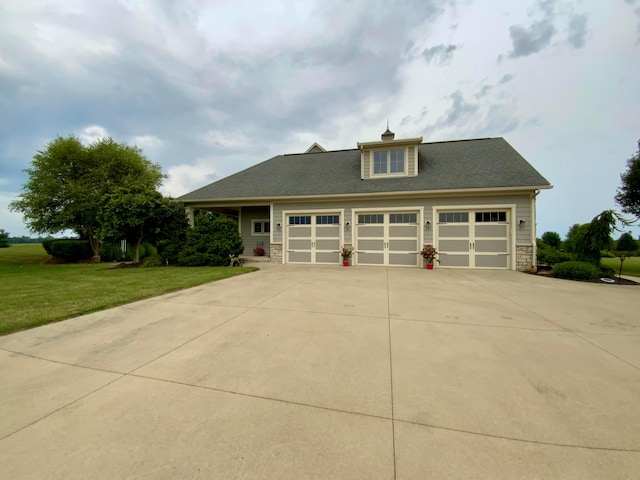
(411, 161)
(251, 241)
(366, 164)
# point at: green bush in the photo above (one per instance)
(46, 244)
(607, 272)
(576, 270)
(211, 241)
(70, 250)
(550, 256)
(152, 261)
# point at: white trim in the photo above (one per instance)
(272, 225)
(388, 173)
(511, 207)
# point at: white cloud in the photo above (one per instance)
(184, 178)
(147, 142)
(225, 139)
(93, 133)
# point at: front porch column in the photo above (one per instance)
(189, 212)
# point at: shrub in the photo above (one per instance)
(576, 270)
(550, 256)
(211, 241)
(607, 272)
(70, 250)
(152, 261)
(4, 238)
(46, 244)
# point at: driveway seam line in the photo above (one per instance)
(380, 417)
(522, 440)
(393, 423)
(68, 364)
(463, 324)
(568, 331)
(63, 407)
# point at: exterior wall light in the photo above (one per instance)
(521, 222)
(347, 225)
(278, 225)
(427, 224)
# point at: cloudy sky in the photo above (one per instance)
(208, 88)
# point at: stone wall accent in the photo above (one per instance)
(524, 257)
(276, 252)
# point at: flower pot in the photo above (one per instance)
(345, 263)
(429, 266)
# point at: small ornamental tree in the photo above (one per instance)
(596, 236)
(4, 238)
(211, 241)
(626, 243)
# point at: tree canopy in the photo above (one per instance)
(552, 239)
(628, 196)
(139, 214)
(626, 243)
(4, 238)
(68, 183)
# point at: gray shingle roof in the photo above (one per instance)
(461, 164)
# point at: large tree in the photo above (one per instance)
(628, 196)
(139, 214)
(596, 236)
(4, 238)
(68, 182)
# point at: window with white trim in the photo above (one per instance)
(367, 218)
(327, 219)
(389, 162)
(403, 218)
(300, 220)
(491, 217)
(260, 228)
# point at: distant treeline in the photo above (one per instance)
(27, 239)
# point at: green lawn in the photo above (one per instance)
(34, 293)
(631, 266)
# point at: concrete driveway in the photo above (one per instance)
(333, 373)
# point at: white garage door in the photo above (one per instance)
(313, 238)
(387, 238)
(474, 239)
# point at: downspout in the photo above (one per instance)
(534, 260)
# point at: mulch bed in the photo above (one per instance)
(616, 280)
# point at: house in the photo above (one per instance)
(475, 200)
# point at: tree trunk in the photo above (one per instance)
(95, 245)
(137, 256)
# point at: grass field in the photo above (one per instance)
(631, 266)
(34, 293)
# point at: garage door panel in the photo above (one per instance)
(300, 257)
(454, 231)
(328, 244)
(454, 260)
(300, 244)
(402, 245)
(365, 258)
(327, 257)
(492, 261)
(408, 259)
(491, 231)
(496, 246)
(332, 231)
(403, 231)
(297, 232)
(371, 244)
(371, 231)
(454, 245)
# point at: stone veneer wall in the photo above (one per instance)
(276, 252)
(524, 257)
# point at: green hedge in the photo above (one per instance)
(68, 249)
(576, 270)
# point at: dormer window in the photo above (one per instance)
(388, 162)
(389, 158)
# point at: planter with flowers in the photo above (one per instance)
(429, 254)
(258, 251)
(346, 254)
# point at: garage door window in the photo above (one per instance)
(453, 217)
(327, 219)
(403, 218)
(300, 220)
(491, 217)
(376, 218)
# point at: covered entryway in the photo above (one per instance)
(313, 237)
(387, 238)
(474, 238)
